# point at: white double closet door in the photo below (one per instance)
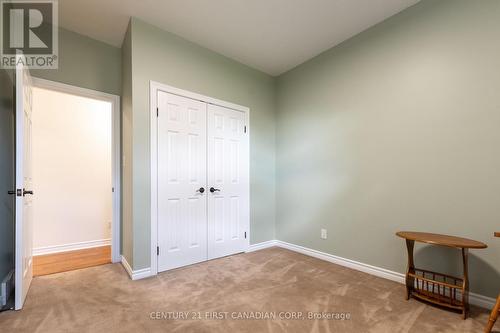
(203, 182)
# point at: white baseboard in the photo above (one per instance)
(359, 266)
(137, 274)
(482, 301)
(70, 247)
(263, 245)
(474, 299)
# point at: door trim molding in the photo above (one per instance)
(116, 147)
(154, 87)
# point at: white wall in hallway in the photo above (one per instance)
(71, 170)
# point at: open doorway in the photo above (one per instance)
(75, 155)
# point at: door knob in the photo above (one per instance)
(212, 190)
(201, 190)
(27, 192)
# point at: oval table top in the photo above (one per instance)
(444, 240)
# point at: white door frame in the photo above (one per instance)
(154, 87)
(115, 149)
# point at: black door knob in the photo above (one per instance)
(201, 190)
(212, 190)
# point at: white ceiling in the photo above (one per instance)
(270, 35)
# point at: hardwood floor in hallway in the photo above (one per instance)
(71, 260)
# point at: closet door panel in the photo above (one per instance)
(228, 207)
(182, 207)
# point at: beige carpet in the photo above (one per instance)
(272, 282)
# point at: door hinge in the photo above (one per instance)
(157, 250)
(245, 235)
(113, 189)
(157, 112)
(245, 129)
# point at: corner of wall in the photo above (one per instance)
(275, 117)
(126, 153)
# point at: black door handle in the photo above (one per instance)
(201, 190)
(212, 190)
(11, 192)
(27, 192)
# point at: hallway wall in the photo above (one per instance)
(71, 170)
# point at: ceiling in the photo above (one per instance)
(270, 35)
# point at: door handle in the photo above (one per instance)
(27, 192)
(201, 190)
(212, 190)
(11, 192)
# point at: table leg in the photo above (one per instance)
(465, 287)
(410, 281)
(493, 316)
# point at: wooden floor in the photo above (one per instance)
(71, 260)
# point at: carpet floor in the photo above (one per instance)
(272, 290)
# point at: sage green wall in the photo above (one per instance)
(160, 56)
(126, 126)
(85, 62)
(396, 129)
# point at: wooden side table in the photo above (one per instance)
(441, 289)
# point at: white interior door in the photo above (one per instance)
(182, 178)
(228, 182)
(24, 181)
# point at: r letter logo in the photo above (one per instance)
(30, 28)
